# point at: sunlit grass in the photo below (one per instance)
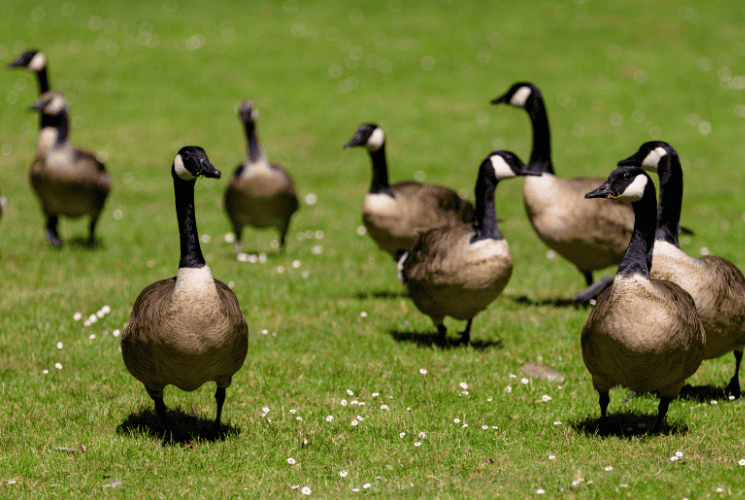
(328, 317)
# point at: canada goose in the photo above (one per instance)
(259, 193)
(3, 204)
(68, 180)
(590, 235)
(716, 284)
(643, 333)
(189, 329)
(35, 60)
(458, 270)
(396, 214)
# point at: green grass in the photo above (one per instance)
(136, 99)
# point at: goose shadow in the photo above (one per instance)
(426, 339)
(557, 302)
(382, 294)
(80, 242)
(626, 425)
(703, 393)
(183, 428)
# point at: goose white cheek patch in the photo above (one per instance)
(501, 168)
(652, 161)
(635, 190)
(181, 171)
(376, 140)
(520, 97)
(37, 62)
(56, 106)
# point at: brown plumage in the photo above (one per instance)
(259, 194)
(68, 180)
(188, 330)
(396, 214)
(643, 333)
(716, 284)
(459, 270)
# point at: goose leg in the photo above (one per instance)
(733, 387)
(588, 277)
(593, 291)
(465, 336)
(604, 401)
(160, 406)
(220, 398)
(52, 234)
(442, 333)
(238, 230)
(91, 231)
(661, 412)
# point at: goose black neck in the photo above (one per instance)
(638, 256)
(60, 122)
(43, 80)
(671, 198)
(485, 224)
(254, 148)
(380, 183)
(191, 252)
(540, 157)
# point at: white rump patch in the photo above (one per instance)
(56, 106)
(181, 171)
(652, 161)
(520, 97)
(37, 62)
(376, 140)
(635, 190)
(501, 168)
(400, 266)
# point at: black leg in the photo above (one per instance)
(91, 231)
(465, 336)
(220, 398)
(282, 238)
(160, 406)
(442, 334)
(733, 387)
(238, 230)
(661, 412)
(588, 277)
(604, 400)
(593, 291)
(52, 234)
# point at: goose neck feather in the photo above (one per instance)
(638, 256)
(486, 225)
(671, 198)
(191, 252)
(380, 184)
(540, 156)
(256, 154)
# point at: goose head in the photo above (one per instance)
(247, 112)
(31, 59)
(626, 183)
(368, 135)
(191, 162)
(503, 165)
(649, 155)
(51, 103)
(518, 95)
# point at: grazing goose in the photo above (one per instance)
(186, 330)
(68, 180)
(459, 270)
(716, 284)
(643, 333)
(396, 214)
(259, 193)
(34, 60)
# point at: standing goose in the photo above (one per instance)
(459, 270)
(186, 330)
(589, 234)
(643, 333)
(716, 284)
(396, 214)
(68, 180)
(259, 193)
(35, 60)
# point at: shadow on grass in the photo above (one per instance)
(703, 393)
(383, 294)
(183, 429)
(627, 426)
(432, 340)
(558, 302)
(80, 242)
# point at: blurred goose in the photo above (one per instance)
(35, 60)
(259, 194)
(716, 284)
(188, 330)
(396, 214)
(458, 270)
(3, 204)
(68, 180)
(643, 333)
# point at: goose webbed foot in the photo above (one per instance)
(593, 291)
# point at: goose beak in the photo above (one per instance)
(501, 99)
(15, 64)
(628, 162)
(209, 170)
(603, 191)
(39, 106)
(357, 140)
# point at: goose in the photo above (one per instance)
(68, 180)
(35, 60)
(396, 214)
(3, 204)
(259, 193)
(716, 284)
(187, 330)
(643, 333)
(459, 270)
